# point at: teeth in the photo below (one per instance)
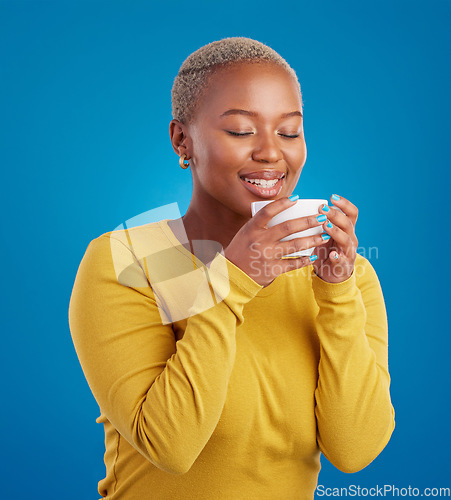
(263, 182)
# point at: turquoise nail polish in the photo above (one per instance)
(313, 257)
(329, 224)
(294, 197)
(321, 218)
(325, 208)
(325, 236)
(335, 197)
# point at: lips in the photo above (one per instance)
(264, 174)
(263, 192)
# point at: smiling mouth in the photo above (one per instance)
(262, 187)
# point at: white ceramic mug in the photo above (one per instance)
(301, 208)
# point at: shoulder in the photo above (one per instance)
(367, 281)
(123, 252)
(139, 240)
(138, 236)
(364, 271)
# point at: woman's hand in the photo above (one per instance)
(336, 259)
(258, 251)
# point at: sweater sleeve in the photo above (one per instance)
(164, 397)
(355, 416)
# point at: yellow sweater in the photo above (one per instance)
(211, 386)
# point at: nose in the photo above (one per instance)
(267, 148)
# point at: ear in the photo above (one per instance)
(178, 132)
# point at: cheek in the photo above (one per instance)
(296, 157)
(222, 155)
(295, 177)
(212, 161)
(296, 160)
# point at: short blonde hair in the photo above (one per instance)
(198, 67)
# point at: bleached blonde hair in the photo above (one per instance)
(195, 72)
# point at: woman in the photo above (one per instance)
(222, 369)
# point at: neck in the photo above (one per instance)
(201, 225)
(210, 220)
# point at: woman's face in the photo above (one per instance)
(248, 124)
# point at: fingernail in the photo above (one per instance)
(313, 257)
(335, 197)
(329, 224)
(321, 218)
(325, 236)
(294, 197)
(325, 208)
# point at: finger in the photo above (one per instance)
(291, 263)
(323, 251)
(341, 268)
(334, 256)
(265, 214)
(297, 244)
(342, 240)
(291, 226)
(337, 209)
(338, 219)
(346, 206)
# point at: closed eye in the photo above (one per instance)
(238, 133)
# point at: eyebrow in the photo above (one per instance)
(253, 113)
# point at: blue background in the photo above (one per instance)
(85, 107)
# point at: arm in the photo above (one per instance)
(354, 413)
(165, 398)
